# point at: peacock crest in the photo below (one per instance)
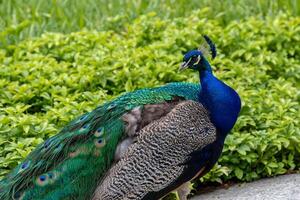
(208, 47)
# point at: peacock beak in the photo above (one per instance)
(184, 65)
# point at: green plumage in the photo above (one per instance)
(70, 164)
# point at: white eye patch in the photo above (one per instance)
(189, 61)
(198, 60)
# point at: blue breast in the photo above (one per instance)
(222, 102)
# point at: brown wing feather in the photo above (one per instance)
(153, 162)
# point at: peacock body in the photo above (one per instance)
(141, 145)
(183, 144)
(70, 164)
(157, 158)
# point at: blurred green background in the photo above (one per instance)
(20, 19)
(59, 59)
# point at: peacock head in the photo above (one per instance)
(195, 59)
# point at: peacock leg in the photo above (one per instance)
(183, 191)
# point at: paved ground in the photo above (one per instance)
(286, 187)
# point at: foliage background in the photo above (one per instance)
(102, 49)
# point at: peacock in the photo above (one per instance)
(181, 145)
(82, 159)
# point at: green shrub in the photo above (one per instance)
(49, 80)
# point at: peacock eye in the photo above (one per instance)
(194, 58)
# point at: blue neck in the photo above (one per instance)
(222, 102)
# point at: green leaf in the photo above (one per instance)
(238, 173)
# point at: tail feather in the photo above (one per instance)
(71, 163)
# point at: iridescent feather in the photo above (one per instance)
(70, 164)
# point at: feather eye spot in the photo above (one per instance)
(99, 142)
(51, 175)
(58, 147)
(82, 117)
(18, 195)
(111, 106)
(85, 126)
(47, 178)
(47, 144)
(42, 180)
(98, 132)
(25, 165)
